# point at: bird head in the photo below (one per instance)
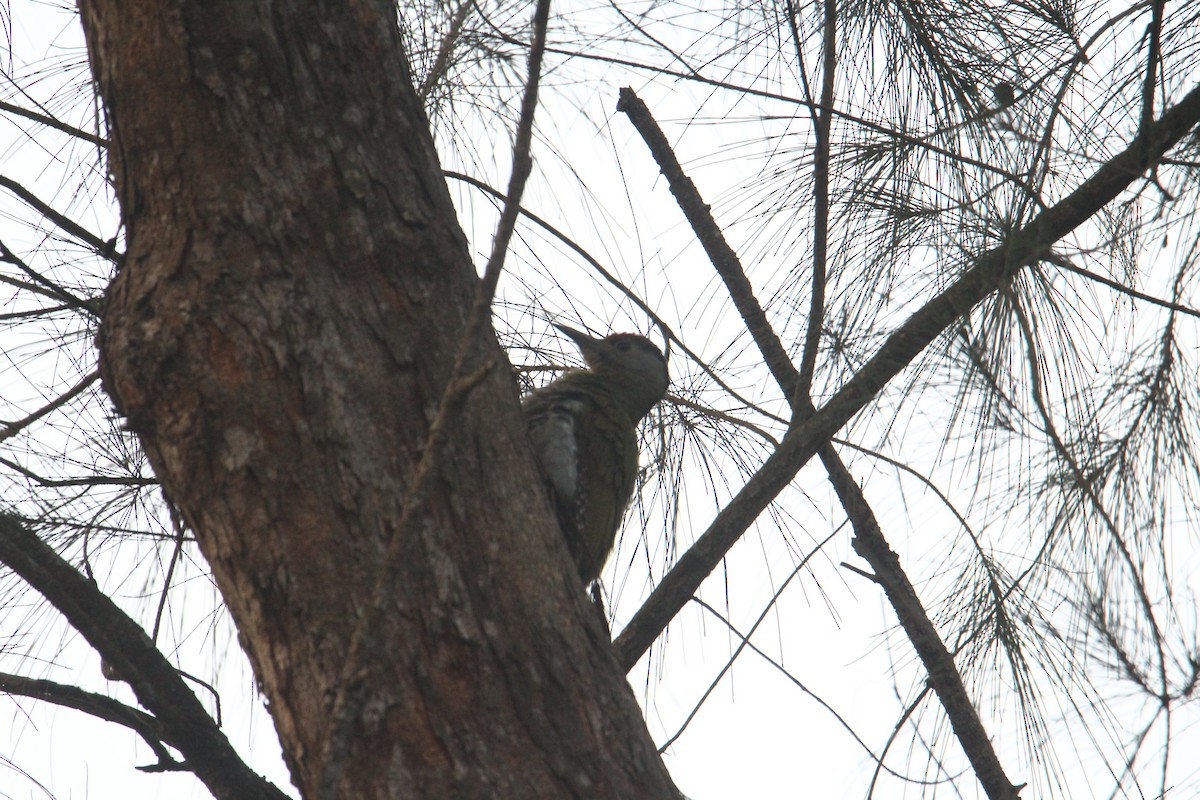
(629, 358)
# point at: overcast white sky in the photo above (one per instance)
(758, 735)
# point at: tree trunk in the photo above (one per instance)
(281, 336)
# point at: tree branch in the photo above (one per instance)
(1121, 288)
(52, 122)
(991, 269)
(97, 705)
(11, 429)
(66, 224)
(723, 259)
(939, 663)
(944, 677)
(123, 644)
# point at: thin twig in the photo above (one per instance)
(909, 710)
(65, 223)
(13, 428)
(95, 480)
(43, 285)
(441, 61)
(799, 685)
(1117, 286)
(1087, 488)
(925, 142)
(176, 552)
(821, 156)
(721, 416)
(33, 313)
(712, 686)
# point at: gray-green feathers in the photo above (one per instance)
(583, 428)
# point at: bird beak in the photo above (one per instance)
(581, 339)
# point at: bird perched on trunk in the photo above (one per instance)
(583, 428)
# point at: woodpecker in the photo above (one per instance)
(583, 428)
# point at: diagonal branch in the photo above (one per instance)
(123, 644)
(445, 53)
(991, 269)
(101, 707)
(1120, 288)
(723, 259)
(943, 675)
(62, 221)
(11, 429)
(868, 538)
(53, 122)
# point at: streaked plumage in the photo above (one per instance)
(583, 428)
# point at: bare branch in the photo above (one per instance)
(13, 428)
(52, 122)
(723, 259)
(65, 223)
(991, 270)
(101, 707)
(944, 677)
(123, 644)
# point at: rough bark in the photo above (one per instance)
(280, 336)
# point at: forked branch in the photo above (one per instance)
(868, 538)
(180, 718)
(1023, 247)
